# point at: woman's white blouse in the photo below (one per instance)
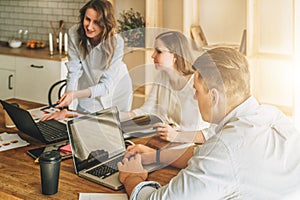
(109, 87)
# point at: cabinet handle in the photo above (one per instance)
(10, 81)
(37, 66)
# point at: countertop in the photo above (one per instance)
(23, 51)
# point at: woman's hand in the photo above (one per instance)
(56, 115)
(147, 153)
(165, 132)
(66, 99)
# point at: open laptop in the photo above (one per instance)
(97, 146)
(50, 131)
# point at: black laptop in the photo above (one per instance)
(49, 131)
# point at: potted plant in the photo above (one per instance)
(132, 28)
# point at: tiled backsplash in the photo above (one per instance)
(35, 16)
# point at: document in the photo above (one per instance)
(140, 126)
(11, 141)
(103, 196)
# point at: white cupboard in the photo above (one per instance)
(7, 77)
(34, 78)
(7, 85)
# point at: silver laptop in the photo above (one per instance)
(97, 146)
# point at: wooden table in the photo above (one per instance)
(20, 176)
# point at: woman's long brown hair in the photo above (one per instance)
(107, 24)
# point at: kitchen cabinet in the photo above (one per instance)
(34, 78)
(7, 77)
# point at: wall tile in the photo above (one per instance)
(35, 16)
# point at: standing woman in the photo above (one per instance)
(97, 76)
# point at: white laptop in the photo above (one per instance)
(97, 146)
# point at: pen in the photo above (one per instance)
(51, 106)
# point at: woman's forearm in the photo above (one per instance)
(85, 93)
(190, 137)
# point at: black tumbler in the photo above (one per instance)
(49, 169)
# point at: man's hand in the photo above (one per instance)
(147, 153)
(131, 172)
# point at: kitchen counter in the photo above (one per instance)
(23, 51)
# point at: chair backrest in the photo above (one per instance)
(243, 45)
(198, 36)
(57, 88)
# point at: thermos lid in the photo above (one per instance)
(50, 156)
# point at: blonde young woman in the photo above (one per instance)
(172, 93)
(97, 76)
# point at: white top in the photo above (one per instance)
(174, 106)
(254, 155)
(109, 87)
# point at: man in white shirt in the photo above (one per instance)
(253, 155)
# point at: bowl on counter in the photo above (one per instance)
(15, 43)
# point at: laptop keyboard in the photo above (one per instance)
(53, 130)
(106, 169)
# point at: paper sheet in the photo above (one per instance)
(103, 196)
(11, 141)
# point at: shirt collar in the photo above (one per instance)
(89, 45)
(245, 108)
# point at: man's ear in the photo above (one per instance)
(215, 96)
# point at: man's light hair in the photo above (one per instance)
(226, 70)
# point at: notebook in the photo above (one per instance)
(97, 146)
(50, 131)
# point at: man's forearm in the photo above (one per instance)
(131, 182)
(176, 157)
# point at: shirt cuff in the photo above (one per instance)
(98, 90)
(139, 112)
(209, 132)
(144, 189)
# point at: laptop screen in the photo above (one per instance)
(95, 138)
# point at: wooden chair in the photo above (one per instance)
(243, 45)
(198, 36)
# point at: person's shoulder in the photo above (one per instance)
(119, 39)
(73, 29)
(215, 147)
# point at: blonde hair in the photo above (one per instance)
(178, 44)
(227, 70)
